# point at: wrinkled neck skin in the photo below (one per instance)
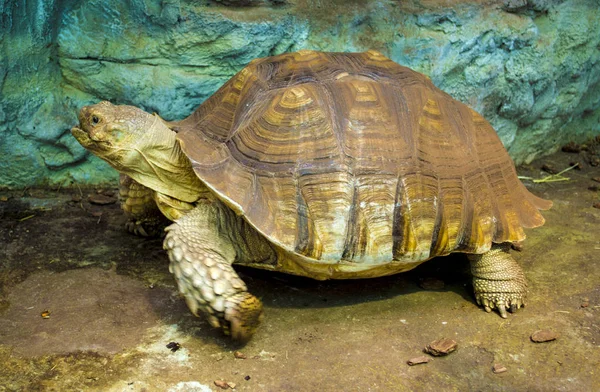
(157, 161)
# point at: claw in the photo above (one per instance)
(192, 304)
(504, 306)
(502, 310)
(141, 231)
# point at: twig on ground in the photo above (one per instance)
(552, 177)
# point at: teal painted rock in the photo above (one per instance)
(531, 67)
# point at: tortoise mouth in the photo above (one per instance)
(86, 140)
(81, 136)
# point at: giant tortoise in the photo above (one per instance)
(326, 165)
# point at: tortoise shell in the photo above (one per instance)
(352, 157)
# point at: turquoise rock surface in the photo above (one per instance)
(530, 67)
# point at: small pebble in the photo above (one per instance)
(498, 368)
(543, 336)
(527, 167)
(218, 357)
(585, 302)
(247, 378)
(571, 147)
(441, 347)
(432, 284)
(173, 346)
(45, 314)
(3, 198)
(231, 385)
(549, 168)
(597, 179)
(418, 360)
(239, 355)
(221, 384)
(101, 199)
(596, 205)
(594, 188)
(76, 198)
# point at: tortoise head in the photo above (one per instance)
(117, 134)
(140, 145)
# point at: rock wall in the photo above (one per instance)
(531, 67)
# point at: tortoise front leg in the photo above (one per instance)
(201, 255)
(137, 201)
(498, 280)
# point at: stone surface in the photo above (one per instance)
(441, 347)
(418, 360)
(543, 336)
(499, 368)
(530, 67)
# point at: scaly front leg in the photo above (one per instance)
(201, 254)
(137, 201)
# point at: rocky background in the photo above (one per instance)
(531, 67)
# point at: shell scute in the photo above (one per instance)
(351, 157)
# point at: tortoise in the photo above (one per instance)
(325, 165)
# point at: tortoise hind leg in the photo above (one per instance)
(201, 256)
(137, 201)
(498, 280)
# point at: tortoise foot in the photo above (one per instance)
(237, 316)
(498, 280)
(503, 302)
(145, 219)
(146, 227)
(136, 227)
(243, 314)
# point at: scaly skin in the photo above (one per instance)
(201, 256)
(137, 201)
(498, 280)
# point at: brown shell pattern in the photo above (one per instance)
(350, 156)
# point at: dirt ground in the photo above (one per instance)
(113, 308)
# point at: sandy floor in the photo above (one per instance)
(114, 308)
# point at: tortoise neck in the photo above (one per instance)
(161, 165)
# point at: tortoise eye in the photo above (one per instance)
(95, 120)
